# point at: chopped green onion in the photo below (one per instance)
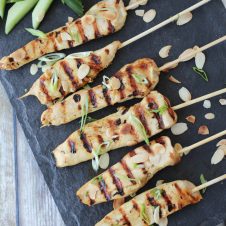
(54, 82)
(75, 5)
(201, 72)
(143, 214)
(37, 33)
(52, 57)
(98, 179)
(90, 119)
(79, 55)
(2, 8)
(140, 79)
(85, 108)
(160, 110)
(157, 193)
(140, 127)
(203, 180)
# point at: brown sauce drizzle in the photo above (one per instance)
(106, 95)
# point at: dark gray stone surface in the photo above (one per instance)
(209, 23)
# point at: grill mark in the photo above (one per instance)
(122, 86)
(116, 182)
(161, 141)
(61, 90)
(169, 204)
(135, 205)
(106, 96)
(85, 142)
(125, 219)
(72, 146)
(132, 153)
(152, 201)
(132, 81)
(111, 28)
(44, 89)
(81, 31)
(141, 115)
(96, 30)
(103, 188)
(70, 43)
(77, 98)
(148, 149)
(170, 110)
(92, 97)
(128, 171)
(78, 63)
(95, 59)
(153, 105)
(100, 139)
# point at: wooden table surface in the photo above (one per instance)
(25, 199)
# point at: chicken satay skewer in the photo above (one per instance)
(123, 128)
(142, 163)
(68, 77)
(153, 205)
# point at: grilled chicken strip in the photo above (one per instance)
(66, 70)
(102, 19)
(123, 128)
(131, 173)
(154, 204)
(122, 86)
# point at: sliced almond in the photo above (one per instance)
(33, 69)
(118, 202)
(104, 161)
(222, 101)
(184, 94)
(65, 36)
(93, 191)
(164, 51)
(200, 60)
(156, 214)
(209, 116)
(184, 18)
(207, 104)
(179, 128)
(217, 156)
(159, 182)
(191, 119)
(203, 130)
(187, 55)
(139, 12)
(163, 221)
(149, 15)
(221, 142)
(223, 147)
(83, 71)
(132, 2)
(114, 83)
(173, 79)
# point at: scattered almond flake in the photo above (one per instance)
(191, 119)
(179, 128)
(184, 18)
(33, 69)
(184, 94)
(139, 12)
(223, 147)
(222, 101)
(173, 79)
(163, 221)
(217, 156)
(187, 55)
(132, 2)
(139, 158)
(104, 161)
(224, 3)
(118, 202)
(114, 83)
(200, 60)
(156, 214)
(159, 182)
(207, 104)
(209, 116)
(149, 15)
(45, 68)
(203, 130)
(164, 51)
(221, 142)
(83, 71)
(65, 36)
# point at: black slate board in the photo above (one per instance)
(209, 23)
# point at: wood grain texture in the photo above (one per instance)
(36, 205)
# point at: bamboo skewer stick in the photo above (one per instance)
(164, 23)
(202, 142)
(192, 54)
(199, 99)
(131, 6)
(209, 183)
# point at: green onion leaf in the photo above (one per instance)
(75, 5)
(160, 110)
(157, 193)
(201, 72)
(143, 214)
(140, 127)
(79, 55)
(85, 108)
(98, 179)
(54, 82)
(52, 57)
(36, 33)
(203, 180)
(141, 79)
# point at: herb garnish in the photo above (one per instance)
(143, 214)
(75, 5)
(157, 193)
(201, 72)
(203, 180)
(160, 110)
(36, 33)
(140, 79)
(54, 82)
(85, 108)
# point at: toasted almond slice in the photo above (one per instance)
(200, 60)
(184, 94)
(203, 130)
(83, 71)
(173, 79)
(156, 214)
(222, 101)
(179, 128)
(118, 202)
(164, 51)
(187, 55)
(33, 69)
(217, 156)
(149, 15)
(115, 83)
(184, 18)
(209, 116)
(132, 2)
(191, 119)
(70, 19)
(159, 182)
(104, 161)
(221, 142)
(65, 36)
(139, 12)
(207, 104)
(223, 147)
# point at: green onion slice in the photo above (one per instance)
(79, 55)
(143, 214)
(141, 79)
(157, 193)
(52, 57)
(161, 110)
(85, 108)
(54, 82)
(201, 72)
(36, 33)
(106, 81)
